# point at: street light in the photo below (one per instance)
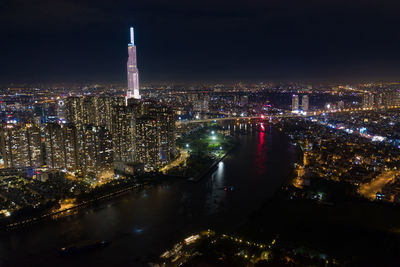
(187, 145)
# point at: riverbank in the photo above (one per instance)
(140, 225)
(211, 168)
(12, 226)
(84, 202)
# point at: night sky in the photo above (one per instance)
(86, 41)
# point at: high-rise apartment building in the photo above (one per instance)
(123, 134)
(368, 100)
(304, 103)
(155, 136)
(21, 145)
(94, 110)
(54, 146)
(70, 144)
(95, 151)
(73, 110)
(295, 102)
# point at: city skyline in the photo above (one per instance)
(262, 133)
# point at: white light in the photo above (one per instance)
(132, 38)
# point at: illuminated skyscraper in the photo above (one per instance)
(304, 103)
(295, 102)
(133, 73)
(95, 151)
(122, 134)
(155, 136)
(21, 145)
(73, 110)
(94, 110)
(54, 146)
(70, 147)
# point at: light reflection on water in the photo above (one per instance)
(145, 222)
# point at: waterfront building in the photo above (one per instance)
(21, 145)
(155, 135)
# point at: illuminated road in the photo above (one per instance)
(369, 190)
(286, 115)
(218, 119)
(182, 158)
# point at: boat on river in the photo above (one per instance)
(84, 247)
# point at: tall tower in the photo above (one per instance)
(133, 73)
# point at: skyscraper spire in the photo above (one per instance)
(133, 73)
(132, 37)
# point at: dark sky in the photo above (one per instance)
(208, 40)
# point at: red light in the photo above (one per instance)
(262, 116)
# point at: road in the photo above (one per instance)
(182, 158)
(369, 189)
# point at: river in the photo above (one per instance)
(144, 223)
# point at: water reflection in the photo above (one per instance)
(216, 194)
(146, 221)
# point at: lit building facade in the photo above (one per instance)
(54, 146)
(132, 70)
(70, 140)
(155, 136)
(304, 103)
(95, 151)
(21, 145)
(295, 102)
(122, 134)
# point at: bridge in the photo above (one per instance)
(285, 115)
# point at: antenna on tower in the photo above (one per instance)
(132, 37)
